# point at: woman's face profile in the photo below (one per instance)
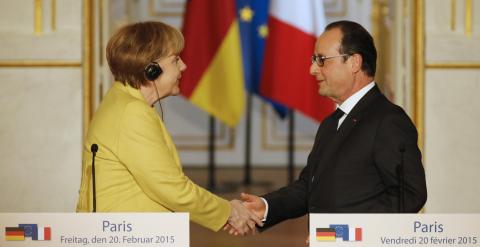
(168, 82)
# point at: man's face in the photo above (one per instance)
(335, 78)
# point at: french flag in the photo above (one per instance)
(355, 234)
(44, 233)
(293, 29)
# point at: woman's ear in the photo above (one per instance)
(152, 71)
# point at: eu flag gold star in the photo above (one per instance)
(246, 14)
(263, 30)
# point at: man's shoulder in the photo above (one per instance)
(382, 109)
(384, 106)
(389, 113)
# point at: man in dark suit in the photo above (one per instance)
(353, 166)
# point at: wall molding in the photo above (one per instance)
(473, 65)
(419, 70)
(88, 65)
(39, 63)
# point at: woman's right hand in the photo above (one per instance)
(242, 219)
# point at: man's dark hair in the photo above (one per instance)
(356, 39)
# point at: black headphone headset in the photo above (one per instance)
(152, 71)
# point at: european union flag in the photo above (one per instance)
(341, 231)
(253, 20)
(31, 230)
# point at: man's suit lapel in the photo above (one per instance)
(320, 139)
(330, 148)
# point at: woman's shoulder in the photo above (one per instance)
(117, 105)
(121, 98)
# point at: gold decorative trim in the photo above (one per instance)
(419, 70)
(220, 136)
(405, 42)
(284, 147)
(276, 147)
(88, 69)
(100, 90)
(190, 147)
(152, 11)
(171, 3)
(468, 18)
(264, 128)
(230, 145)
(453, 14)
(39, 63)
(276, 134)
(54, 15)
(375, 18)
(379, 38)
(419, 73)
(100, 33)
(343, 11)
(473, 65)
(38, 25)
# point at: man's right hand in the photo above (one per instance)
(254, 204)
(242, 220)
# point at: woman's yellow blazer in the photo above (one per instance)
(137, 168)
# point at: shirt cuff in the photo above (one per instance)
(266, 209)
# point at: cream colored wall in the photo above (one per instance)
(401, 48)
(452, 106)
(40, 140)
(452, 159)
(40, 104)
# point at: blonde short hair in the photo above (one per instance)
(136, 45)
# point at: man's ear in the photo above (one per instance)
(356, 62)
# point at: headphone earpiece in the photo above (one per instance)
(152, 71)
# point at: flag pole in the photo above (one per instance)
(211, 155)
(247, 180)
(211, 180)
(291, 145)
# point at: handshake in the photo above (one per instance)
(245, 215)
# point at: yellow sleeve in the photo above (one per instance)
(143, 149)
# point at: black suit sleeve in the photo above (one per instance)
(289, 201)
(397, 132)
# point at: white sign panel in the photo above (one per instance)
(94, 229)
(362, 230)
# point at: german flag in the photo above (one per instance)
(215, 79)
(325, 234)
(14, 234)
